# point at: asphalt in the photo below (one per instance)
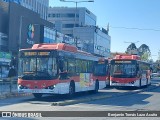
(102, 96)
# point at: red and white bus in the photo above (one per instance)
(129, 70)
(101, 70)
(56, 69)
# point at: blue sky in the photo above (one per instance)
(142, 14)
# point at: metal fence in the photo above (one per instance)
(8, 85)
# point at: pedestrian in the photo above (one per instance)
(11, 74)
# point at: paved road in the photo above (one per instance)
(121, 100)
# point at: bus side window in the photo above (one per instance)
(63, 71)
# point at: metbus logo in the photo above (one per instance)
(31, 31)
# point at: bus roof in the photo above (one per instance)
(57, 46)
(54, 46)
(128, 57)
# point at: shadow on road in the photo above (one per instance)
(45, 99)
(124, 100)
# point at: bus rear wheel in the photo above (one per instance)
(37, 95)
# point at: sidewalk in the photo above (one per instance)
(9, 89)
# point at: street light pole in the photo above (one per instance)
(20, 32)
(76, 2)
(75, 15)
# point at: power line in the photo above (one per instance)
(135, 28)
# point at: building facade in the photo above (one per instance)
(38, 6)
(19, 28)
(25, 27)
(80, 24)
(53, 36)
(93, 40)
(65, 19)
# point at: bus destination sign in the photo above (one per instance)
(36, 53)
(123, 61)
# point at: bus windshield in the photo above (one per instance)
(123, 70)
(37, 68)
(101, 69)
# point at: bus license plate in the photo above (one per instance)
(121, 84)
(35, 91)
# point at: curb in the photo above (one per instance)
(69, 102)
(10, 95)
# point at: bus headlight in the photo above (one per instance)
(22, 87)
(132, 82)
(51, 87)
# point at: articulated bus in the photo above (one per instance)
(101, 70)
(129, 70)
(57, 69)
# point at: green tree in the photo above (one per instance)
(144, 52)
(145, 56)
(131, 49)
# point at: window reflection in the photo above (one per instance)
(36, 65)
